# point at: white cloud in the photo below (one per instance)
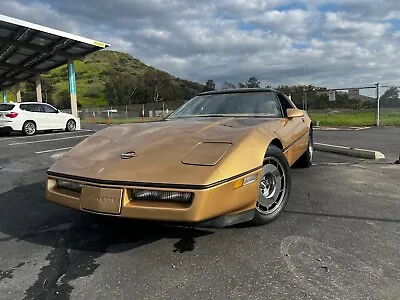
(338, 26)
(231, 40)
(292, 22)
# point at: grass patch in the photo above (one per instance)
(390, 117)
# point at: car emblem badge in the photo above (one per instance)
(128, 155)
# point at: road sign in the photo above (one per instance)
(332, 96)
(354, 93)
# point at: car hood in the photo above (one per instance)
(165, 151)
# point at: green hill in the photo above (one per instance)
(110, 78)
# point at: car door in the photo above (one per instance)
(53, 118)
(294, 129)
(34, 112)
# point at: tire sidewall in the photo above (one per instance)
(67, 128)
(309, 156)
(24, 130)
(306, 160)
(261, 218)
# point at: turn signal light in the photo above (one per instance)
(244, 181)
(12, 115)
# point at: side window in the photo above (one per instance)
(273, 102)
(48, 109)
(31, 107)
(285, 104)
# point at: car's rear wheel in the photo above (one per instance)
(29, 128)
(274, 189)
(71, 125)
(306, 160)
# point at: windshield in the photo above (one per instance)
(262, 104)
(6, 107)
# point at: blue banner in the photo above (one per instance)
(72, 82)
(4, 93)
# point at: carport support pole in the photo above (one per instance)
(377, 104)
(38, 88)
(4, 94)
(18, 86)
(72, 87)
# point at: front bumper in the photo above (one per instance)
(216, 206)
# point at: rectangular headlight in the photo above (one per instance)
(155, 195)
(68, 185)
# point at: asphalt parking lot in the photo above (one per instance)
(338, 239)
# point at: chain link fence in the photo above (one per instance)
(351, 106)
(127, 113)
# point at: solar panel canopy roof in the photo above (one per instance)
(27, 49)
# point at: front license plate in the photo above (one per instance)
(102, 200)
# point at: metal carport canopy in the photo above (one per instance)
(28, 49)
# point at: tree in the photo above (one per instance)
(253, 82)
(210, 85)
(390, 98)
(157, 86)
(29, 92)
(120, 88)
(228, 86)
(64, 100)
(48, 87)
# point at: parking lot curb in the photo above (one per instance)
(363, 153)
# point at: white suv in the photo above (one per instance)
(30, 117)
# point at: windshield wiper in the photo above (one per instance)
(212, 115)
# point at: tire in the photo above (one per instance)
(305, 161)
(29, 128)
(70, 126)
(275, 176)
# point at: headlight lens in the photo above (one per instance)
(68, 185)
(155, 195)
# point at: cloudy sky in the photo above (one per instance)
(338, 43)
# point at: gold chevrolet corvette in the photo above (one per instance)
(222, 158)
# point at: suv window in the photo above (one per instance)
(284, 103)
(31, 107)
(48, 109)
(6, 107)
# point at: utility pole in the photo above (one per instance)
(377, 104)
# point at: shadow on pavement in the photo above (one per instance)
(26, 215)
(77, 239)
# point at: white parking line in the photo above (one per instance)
(53, 150)
(51, 140)
(44, 135)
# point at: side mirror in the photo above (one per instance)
(294, 113)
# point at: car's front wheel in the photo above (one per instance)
(71, 126)
(274, 188)
(29, 128)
